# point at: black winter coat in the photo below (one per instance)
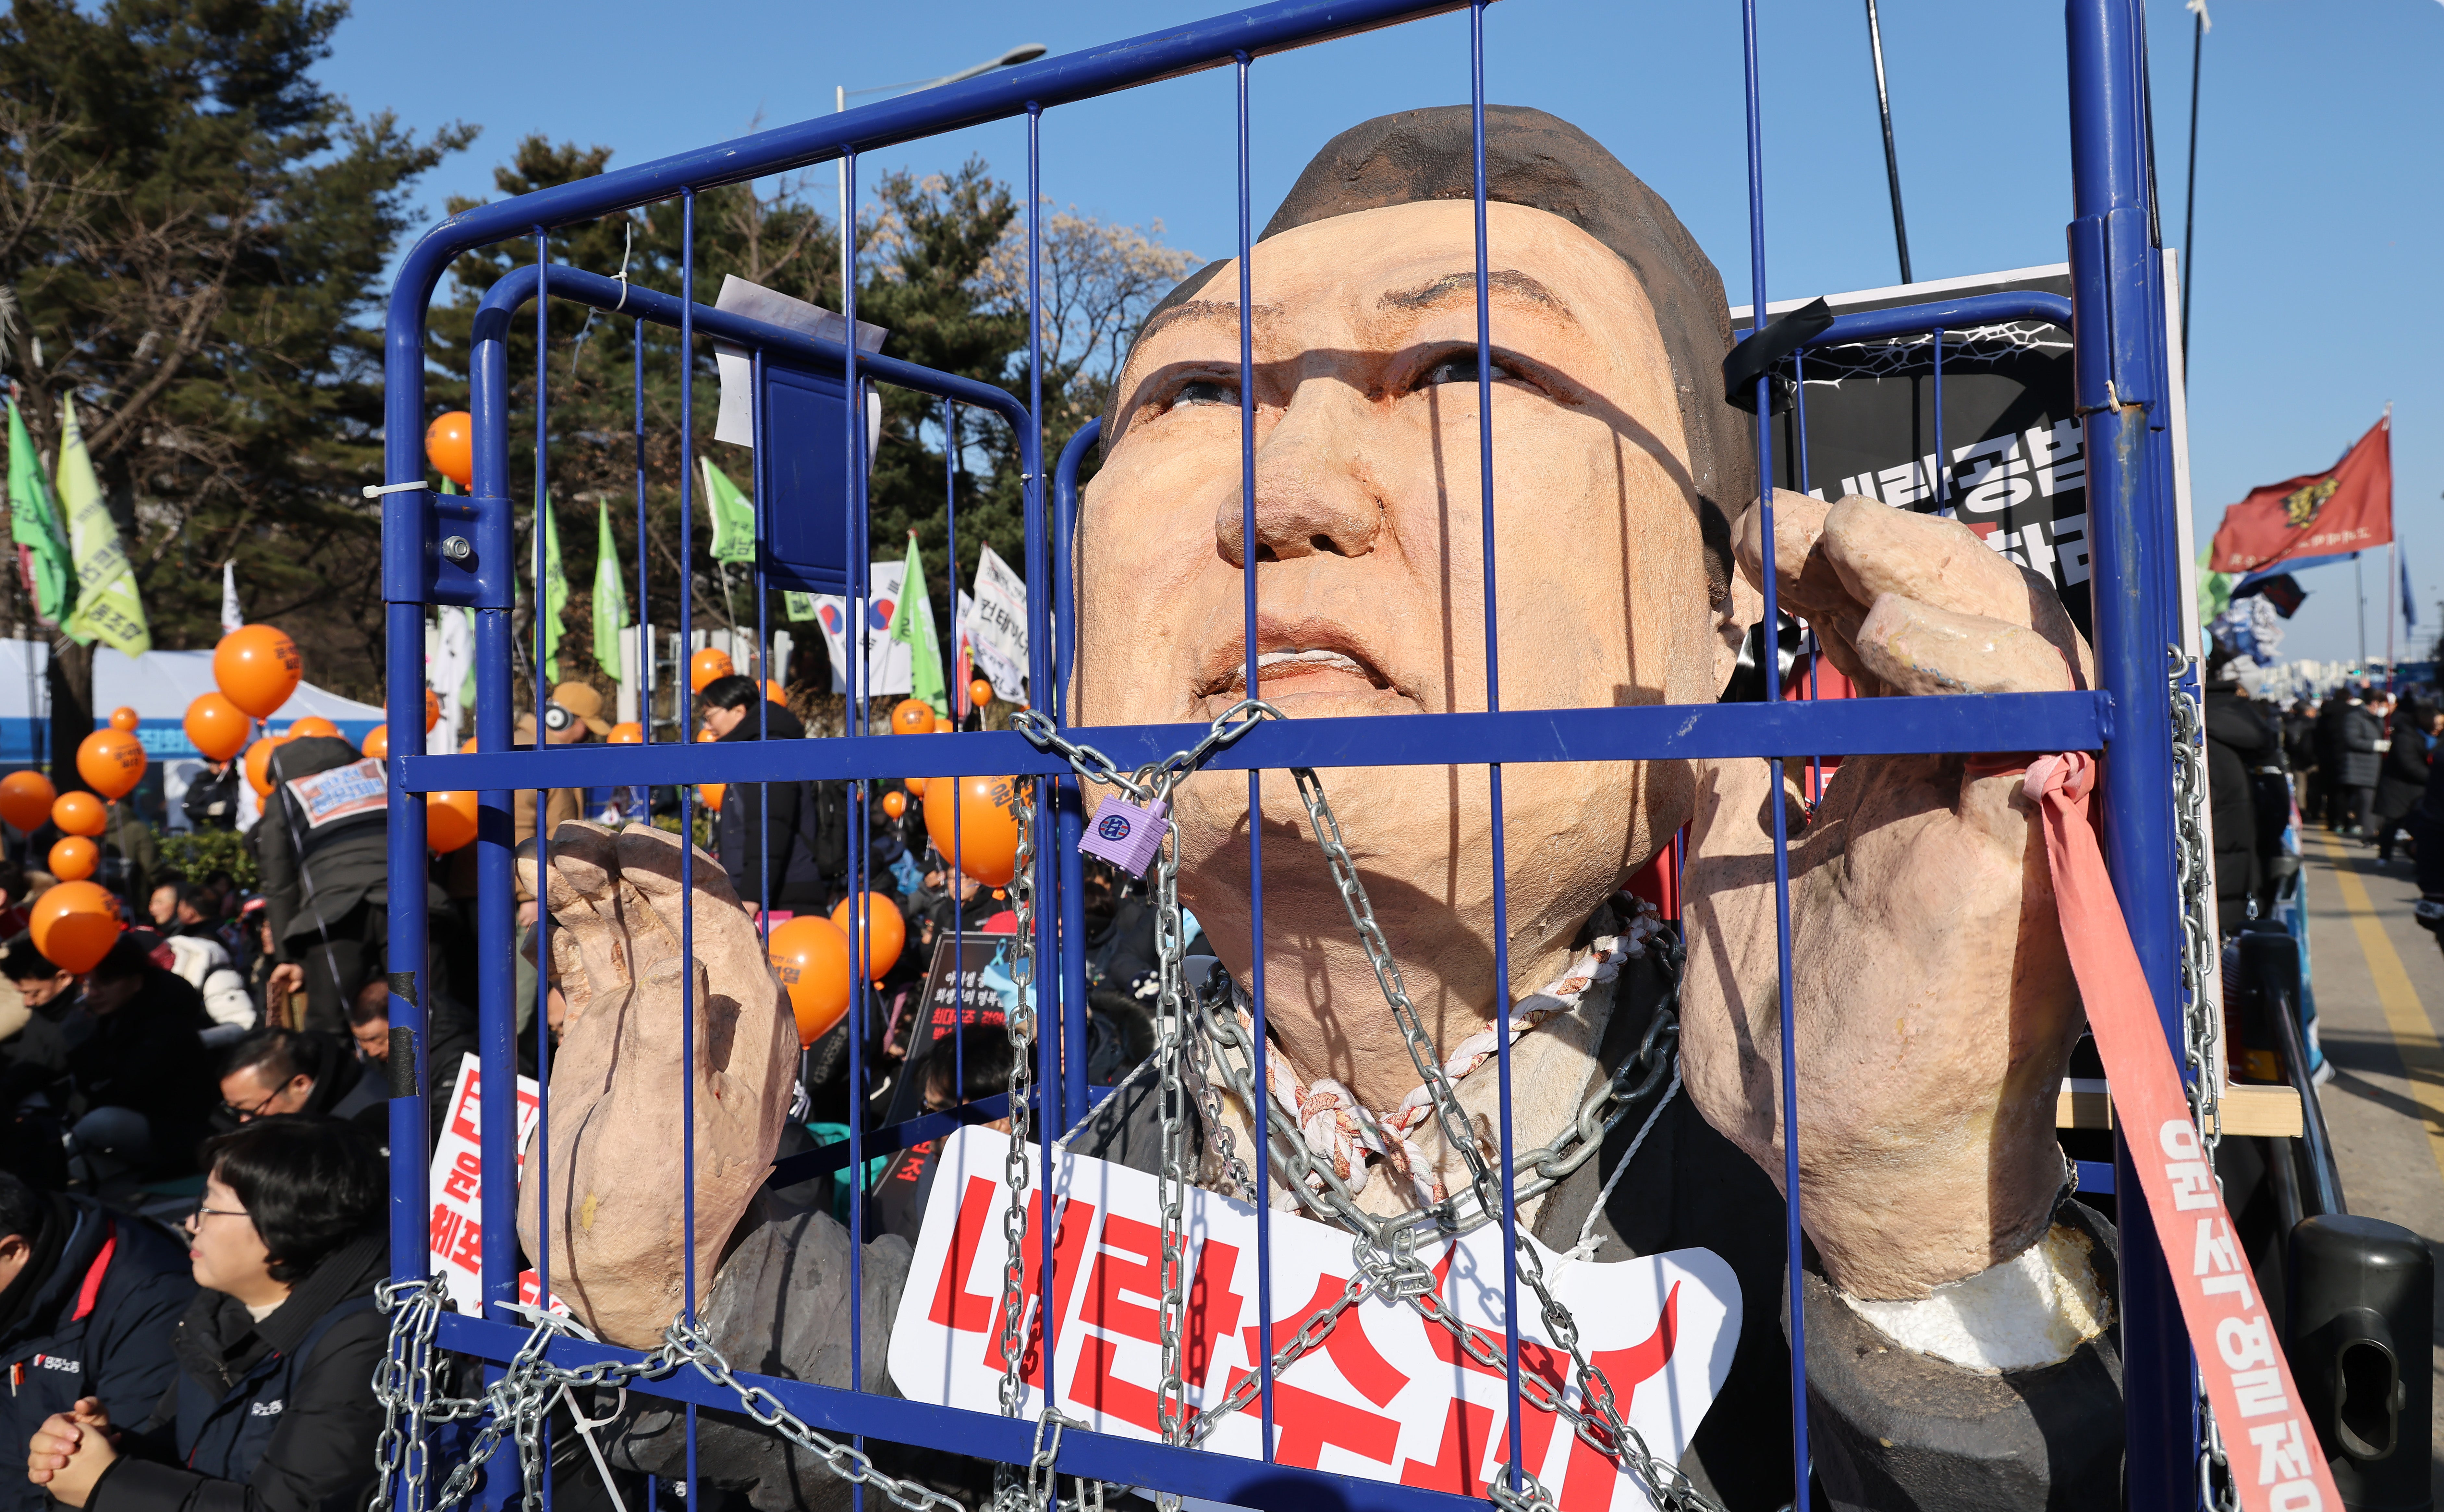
(146, 1055)
(2402, 778)
(758, 819)
(276, 1417)
(91, 1315)
(2238, 739)
(314, 874)
(2354, 740)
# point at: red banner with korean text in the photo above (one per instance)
(1384, 1394)
(2276, 1462)
(2346, 509)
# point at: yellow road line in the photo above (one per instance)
(2422, 1054)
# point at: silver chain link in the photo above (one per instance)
(2202, 1019)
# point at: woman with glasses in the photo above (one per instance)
(272, 1411)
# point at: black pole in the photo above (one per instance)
(2189, 216)
(1892, 156)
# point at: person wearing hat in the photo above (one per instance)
(571, 716)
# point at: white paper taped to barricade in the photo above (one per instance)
(1387, 1396)
(458, 1221)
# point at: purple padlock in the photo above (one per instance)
(1125, 835)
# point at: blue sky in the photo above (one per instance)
(2320, 196)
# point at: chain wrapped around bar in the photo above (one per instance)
(1384, 1251)
(516, 1403)
(1020, 1023)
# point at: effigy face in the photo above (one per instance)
(1370, 578)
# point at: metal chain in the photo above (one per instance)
(2202, 1019)
(1020, 1023)
(516, 1403)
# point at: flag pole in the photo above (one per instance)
(2392, 569)
(2358, 585)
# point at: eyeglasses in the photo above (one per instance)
(195, 1219)
(246, 1115)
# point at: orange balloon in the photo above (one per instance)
(26, 798)
(450, 445)
(979, 692)
(74, 858)
(80, 814)
(312, 725)
(377, 743)
(774, 693)
(111, 761)
(708, 664)
(810, 956)
(705, 734)
(432, 709)
(74, 925)
(987, 812)
(712, 793)
(257, 666)
(467, 746)
(628, 732)
(916, 785)
(895, 804)
(449, 820)
(124, 718)
(886, 932)
(912, 717)
(217, 726)
(258, 763)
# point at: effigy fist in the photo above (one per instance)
(1933, 1002)
(618, 1165)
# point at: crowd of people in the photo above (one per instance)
(218, 1083)
(2358, 763)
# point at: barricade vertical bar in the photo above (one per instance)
(860, 829)
(687, 798)
(958, 703)
(1073, 793)
(2118, 335)
(1260, 1114)
(1517, 1468)
(760, 481)
(542, 830)
(1039, 685)
(403, 677)
(1942, 463)
(1792, 1236)
(644, 599)
(495, 832)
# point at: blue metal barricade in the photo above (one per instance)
(460, 552)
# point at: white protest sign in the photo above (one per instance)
(1386, 1396)
(890, 665)
(998, 626)
(457, 1223)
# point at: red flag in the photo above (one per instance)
(2346, 509)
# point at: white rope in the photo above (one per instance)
(1588, 1243)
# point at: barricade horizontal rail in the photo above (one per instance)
(1955, 723)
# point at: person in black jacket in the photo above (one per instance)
(2239, 740)
(2402, 778)
(137, 1065)
(88, 1304)
(212, 797)
(324, 850)
(761, 820)
(273, 1409)
(2358, 729)
(273, 1070)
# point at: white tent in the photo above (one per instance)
(159, 685)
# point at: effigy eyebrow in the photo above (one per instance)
(1203, 311)
(1453, 285)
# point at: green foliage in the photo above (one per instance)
(196, 235)
(199, 853)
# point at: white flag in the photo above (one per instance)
(231, 619)
(997, 627)
(890, 667)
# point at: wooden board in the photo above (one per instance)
(2274, 1112)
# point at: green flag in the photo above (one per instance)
(799, 606)
(912, 622)
(34, 524)
(734, 516)
(2214, 590)
(610, 597)
(108, 608)
(555, 594)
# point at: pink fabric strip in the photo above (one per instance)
(2277, 1464)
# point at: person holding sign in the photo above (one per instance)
(1964, 1304)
